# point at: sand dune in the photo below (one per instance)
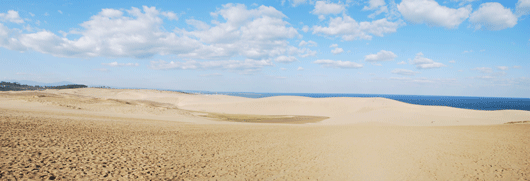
(339, 110)
(147, 134)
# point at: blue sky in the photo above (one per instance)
(421, 47)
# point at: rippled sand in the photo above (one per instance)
(68, 135)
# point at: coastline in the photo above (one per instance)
(150, 134)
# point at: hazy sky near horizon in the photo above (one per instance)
(422, 47)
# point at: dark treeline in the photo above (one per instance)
(15, 86)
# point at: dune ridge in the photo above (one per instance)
(109, 134)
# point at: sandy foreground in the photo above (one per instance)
(113, 134)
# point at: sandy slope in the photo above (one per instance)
(147, 134)
(340, 110)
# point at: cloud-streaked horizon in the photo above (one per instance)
(407, 38)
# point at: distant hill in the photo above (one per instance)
(15, 86)
(34, 83)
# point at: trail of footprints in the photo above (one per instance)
(41, 148)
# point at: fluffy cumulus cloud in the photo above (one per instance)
(307, 43)
(305, 28)
(325, 8)
(493, 16)
(404, 72)
(374, 4)
(380, 56)
(7, 39)
(116, 64)
(112, 34)
(285, 59)
(432, 13)
(337, 51)
(349, 29)
(378, 6)
(338, 64)
(257, 35)
(11, 16)
(425, 63)
(522, 7)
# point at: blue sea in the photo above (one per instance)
(476, 103)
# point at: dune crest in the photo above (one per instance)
(339, 111)
(109, 134)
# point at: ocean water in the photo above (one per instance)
(476, 103)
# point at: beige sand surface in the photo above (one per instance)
(147, 134)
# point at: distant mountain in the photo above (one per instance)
(33, 83)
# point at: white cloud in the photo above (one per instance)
(303, 52)
(300, 68)
(334, 45)
(467, 51)
(11, 16)
(503, 67)
(111, 34)
(254, 34)
(484, 69)
(463, 2)
(337, 51)
(402, 63)
(522, 7)
(404, 72)
(325, 8)
(295, 3)
(259, 33)
(305, 28)
(285, 59)
(382, 55)
(170, 15)
(452, 61)
(378, 5)
(374, 4)
(308, 43)
(425, 63)
(349, 29)
(516, 67)
(116, 64)
(7, 40)
(311, 43)
(60, 12)
(199, 25)
(337, 64)
(248, 66)
(432, 13)
(31, 14)
(493, 16)
(382, 9)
